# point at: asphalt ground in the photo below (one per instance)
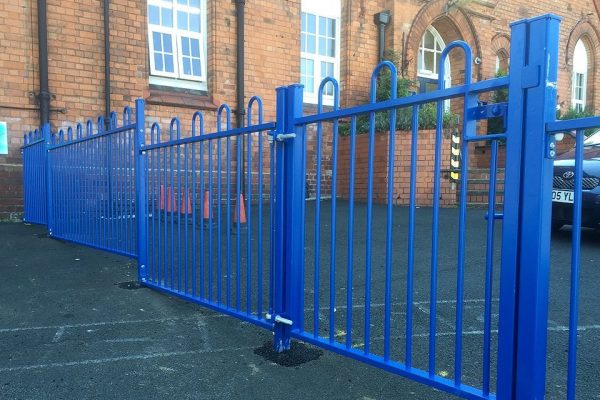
(72, 327)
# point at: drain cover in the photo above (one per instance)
(299, 354)
(132, 285)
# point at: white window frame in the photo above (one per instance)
(178, 78)
(580, 67)
(424, 73)
(329, 9)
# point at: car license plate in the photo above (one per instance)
(562, 196)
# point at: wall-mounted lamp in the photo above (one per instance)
(382, 19)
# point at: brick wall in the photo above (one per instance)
(76, 62)
(401, 167)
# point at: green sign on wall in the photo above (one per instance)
(3, 138)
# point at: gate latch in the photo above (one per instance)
(284, 136)
(280, 137)
(278, 319)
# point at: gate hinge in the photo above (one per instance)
(278, 319)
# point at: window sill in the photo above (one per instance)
(173, 97)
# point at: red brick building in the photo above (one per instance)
(182, 55)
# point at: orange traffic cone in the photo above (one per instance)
(206, 212)
(170, 200)
(186, 204)
(242, 208)
(162, 198)
(166, 201)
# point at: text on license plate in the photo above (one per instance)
(562, 196)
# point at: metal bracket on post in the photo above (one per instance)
(141, 202)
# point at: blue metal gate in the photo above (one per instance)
(221, 219)
(91, 185)
(35, 176)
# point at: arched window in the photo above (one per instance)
(430, 51)
(501, 62)
(579, 79)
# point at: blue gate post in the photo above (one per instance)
(289, 216)
(528, 206)
(47, 142)
(141, 203)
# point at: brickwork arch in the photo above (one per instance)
(590, 36)
(500, 46)
(452, 24)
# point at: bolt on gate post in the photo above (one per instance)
(141, 203)
(527, 209)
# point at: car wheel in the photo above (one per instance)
(556, 225)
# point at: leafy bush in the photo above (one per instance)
(405, 87)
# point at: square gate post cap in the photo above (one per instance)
(530, 20)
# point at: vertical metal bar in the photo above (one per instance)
(536, 206)
(166, 202)
(203, 199)
(510, 225)
(194, 217)
(388, 232)
(171, 208)
(469, 129)
(489, 264)
(210, 215)
(435, 237)
(228, 207)
(273, 176)
(249, 226)
(295, 166)
(219, 212)
(178, 201)
(259, 228)
(369, 233)
(317, 228)
(47, 160)
(575, 265)
(132, 188)
(186, 198)
(281, 340)
(157, 214)
(152, 192)
(238, 180)
(332, 252)
(141, 190)
(411, 234)
(298, 272)
(350, 256)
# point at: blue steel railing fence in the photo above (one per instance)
(576, 128)
(91, 175)
(34, 176)
(349, 320)
(207, 240)
(220, 219)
